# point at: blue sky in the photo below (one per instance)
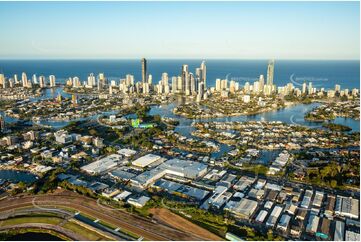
(245, 30)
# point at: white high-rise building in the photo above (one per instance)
(76, 82)
(218, 85)
(261, 83)
(174, 84)
(16, 79)
(304, 88)
(224, 84)
(35, 80)
(310, 89)
(256, 87)
(179, 83)
(42, 81)
(91, 80)
(270, 72)
(232, 86)
(204, 74)
(200, 91)
(52, 81)
(24, 79)
(165, 79)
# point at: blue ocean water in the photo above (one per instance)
(321, 73)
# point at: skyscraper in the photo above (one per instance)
(270, 70)
(144, 70)
(204, 74)
(185, 78)
(261, 83)
(42, 81)
(52, 81)
(91, 80)
(24, 79)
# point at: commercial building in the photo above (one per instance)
(243, 183)
(126, 152)
(184, 190)
(146, 160)
(347, 207)
(243, 209)
(330, 204)
(312, 223)
(324, 231)
(182, 168)
(284, 222)
(261, 216)
(339, 231)
(307, 199)
(352, 236)
(121, 174)
(272, 219)
(102, 165)
(138, 202)
(296, 228)
(317, 201)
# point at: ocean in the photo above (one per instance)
(321, 73)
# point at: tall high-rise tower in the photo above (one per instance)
(144, 70)
(270, 70)
(204, 74)
(185, 78)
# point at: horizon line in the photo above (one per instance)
(172, 58)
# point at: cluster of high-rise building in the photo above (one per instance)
(268, 88)
(258, 87)
(186, 83)
(26, 82)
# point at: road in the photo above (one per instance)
(138, 225)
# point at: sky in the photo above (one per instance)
(241, 30)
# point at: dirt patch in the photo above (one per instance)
(182, 224)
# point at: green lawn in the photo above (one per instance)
(35, 219)
(86, 233)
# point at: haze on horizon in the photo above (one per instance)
(242, 30)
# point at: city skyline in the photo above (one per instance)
(227, 30)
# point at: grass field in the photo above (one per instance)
(78, 229)
(33, 219)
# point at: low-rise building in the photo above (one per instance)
(339, 231)
(138, 202)
(261, 216)
(347, 207)
(102, 165)
(146, 160)
(272, 219)
(312, 223)
(243, 209)
(284, 222)
(352, 236)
